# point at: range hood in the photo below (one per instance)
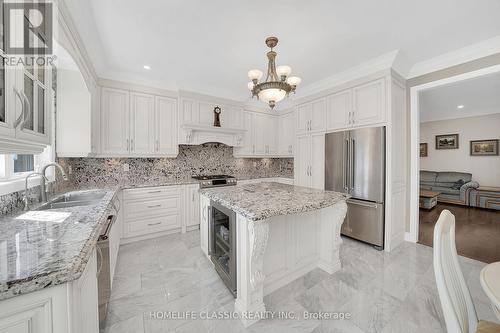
(196, 134)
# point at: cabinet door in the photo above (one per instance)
(286, 134)
(318, 115)
(10, 104)
(85, 310)
(115, 121)
(317, 169)
(303, 161)
(369, 103)
(260, 134)
(246, 148)
(271, 135)
(338, 109)
(142, 117)
(166, 126)
(231, 117)
(192, 205)
(304, 113)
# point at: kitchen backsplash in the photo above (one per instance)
(14, 201)
(210, 159)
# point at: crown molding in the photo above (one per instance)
(383, 62)
(472, 52)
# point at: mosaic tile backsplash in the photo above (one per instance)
(207, 159)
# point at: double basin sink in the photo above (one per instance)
(74, 200)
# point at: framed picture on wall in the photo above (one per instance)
(423, 149)
(447, 141)
(484, 147)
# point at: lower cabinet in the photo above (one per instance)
(161, 209)
(70, 307)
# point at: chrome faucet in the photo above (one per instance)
(44, 178)
(25, 198)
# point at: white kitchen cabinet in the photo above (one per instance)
(137, 124)
(192, 207)
(151, 211)
(310, 160)
(142, 119)
(166, 126)
(115, 122)
(247, 142)
(85, 308)
(339, 107)
(286, 134)
(311, 116)
(369, 103)
(261, 136)
(361, 105)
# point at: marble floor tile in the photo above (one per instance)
(382, 292)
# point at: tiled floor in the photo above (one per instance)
(383, 292)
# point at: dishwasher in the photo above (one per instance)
(104, 268)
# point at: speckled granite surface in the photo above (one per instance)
(206, 159)
(35, 254)
(264, 200)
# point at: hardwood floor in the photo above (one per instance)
(477, 231)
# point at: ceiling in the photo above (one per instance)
(479, 96)
(208, 46)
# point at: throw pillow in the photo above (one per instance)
(458, 184)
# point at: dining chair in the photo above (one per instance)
(458, 309)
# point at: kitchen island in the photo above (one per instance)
(282, 232)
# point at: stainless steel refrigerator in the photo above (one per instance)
(355, 164)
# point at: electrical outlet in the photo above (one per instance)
(126, 167)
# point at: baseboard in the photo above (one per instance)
(408, 237)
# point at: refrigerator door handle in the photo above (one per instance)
(353, 159)
(345, 165)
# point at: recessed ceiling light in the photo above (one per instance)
(460, 106)
(147, 67)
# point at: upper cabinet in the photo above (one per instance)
(137, 124)
(266, 135)
(26, 101)
(359, 106)
(311, 116)
(286, 134)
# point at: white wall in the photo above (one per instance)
(73, 108)
(484, 169)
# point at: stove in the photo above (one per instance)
(215, 180)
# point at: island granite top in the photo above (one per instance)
(267, 199)
(39, 249)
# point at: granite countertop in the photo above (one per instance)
(48, 249)
(267, 199)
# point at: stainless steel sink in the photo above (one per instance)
(74, 200)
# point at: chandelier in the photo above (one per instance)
(278, 83)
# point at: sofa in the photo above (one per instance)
(455, 187)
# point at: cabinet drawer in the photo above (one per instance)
(146, 208)
(150, 192)
(151, 225)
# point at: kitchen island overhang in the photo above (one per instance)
(282, 232)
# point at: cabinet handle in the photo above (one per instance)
(158, 191)
(151, 224)
(154, 206)
(21, 116)
(26, 113)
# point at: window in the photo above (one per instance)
(23, 163)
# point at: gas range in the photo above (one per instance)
(215, 180)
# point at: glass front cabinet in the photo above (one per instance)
(25, 92)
